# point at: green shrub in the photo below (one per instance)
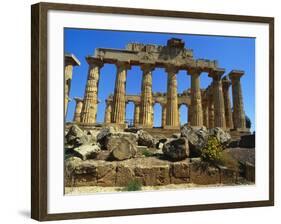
(133, 185)
(147, 153)
(212, 152)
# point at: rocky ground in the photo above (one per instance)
(109, 158)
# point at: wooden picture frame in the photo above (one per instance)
(39, 108)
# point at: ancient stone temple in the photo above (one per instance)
(210, 107)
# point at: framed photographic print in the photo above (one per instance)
(140, 111)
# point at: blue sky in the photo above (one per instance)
(231, 53)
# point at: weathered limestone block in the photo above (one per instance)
(106, 174)
(152, 176)
(222, 136)
(228, 176)
(197, 138)
(121, 148)
(124, 174)
(110, 132)
(87, 151)
(201, 173)
(177, 149)
(79, 173)
(76, 137)
(180, 172)
(145, 139)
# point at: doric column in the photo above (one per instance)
(90, 104)
(119, 98)
(163, 115)
(205, 105)
(218, 97)
(108, 110)
(196, 102)
(146, 96)
(78, 109)
(211, 111)
(136, 114)
(69, 61)
(227, 104)
(237, 98)
(172, 114)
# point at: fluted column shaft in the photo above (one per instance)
(211, 112)
(146, 119)
(205, 113)
(196, 102)
(172, 118)
(90, 104)
(237, 98)
(164, 115)
(119, 98)
(136, 115)
(227, 104)
(108, 110)
(78, 109)
(218, 98)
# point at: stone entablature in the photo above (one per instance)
(173, 53)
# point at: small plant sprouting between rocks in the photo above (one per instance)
(214, 154)
(133, 185)
(212, 151)
(147, 153)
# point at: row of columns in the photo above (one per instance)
(213, 111)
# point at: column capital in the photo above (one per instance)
(78, 99)
(226, 83)
(123, 64)
(70, 59)
(147, 67)
(170, 68)
(94, 61)
(194, 71)
(216, 73)
(236, 74)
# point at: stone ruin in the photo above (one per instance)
(112, 154)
